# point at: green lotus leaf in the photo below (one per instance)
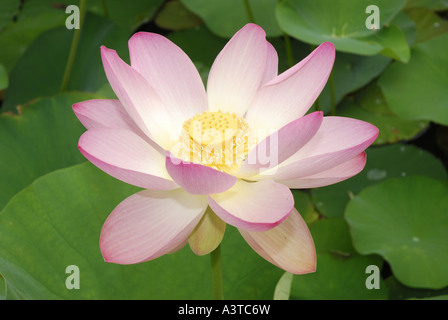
(417, 90)
(225, 17)
(405, 221)
(338, 278)
(343, 23)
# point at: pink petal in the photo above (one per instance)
(127, 157)
(106, 113)
(171, 73)
(256, 206)
(338, 140)
(237, 71)
(139, 99)
(149, 224)
(196, 178)
(288, 246)
(280, 145)
(291, 94)
(98, 113)
(271, 68)
(334, 175)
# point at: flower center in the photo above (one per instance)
(217, 139)
(213, 127)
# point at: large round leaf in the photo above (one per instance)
(338, 278)
(332, 236)
(341, 272)
(343, 22)
(406, 222)
(245, 274)
(382, 162)
(417, 90)
(43, 138)
(370, 105)
(17, 36)
(225, 17)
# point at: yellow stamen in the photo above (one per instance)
(217, 139)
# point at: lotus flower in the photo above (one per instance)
(225, 155)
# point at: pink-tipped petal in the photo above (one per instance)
(288, 246)
(291, 94)
(257, 206)
(107, 113)
(196, 178)
(171, 73)
(149, 224)
(139, 99)
(237, 71)
(334, 175)
(103, 113)
(280, 145)
(271, 68)
(127, 157)
(338, 140)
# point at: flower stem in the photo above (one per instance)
(215, 259)
(74, 47)
(250, 15)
